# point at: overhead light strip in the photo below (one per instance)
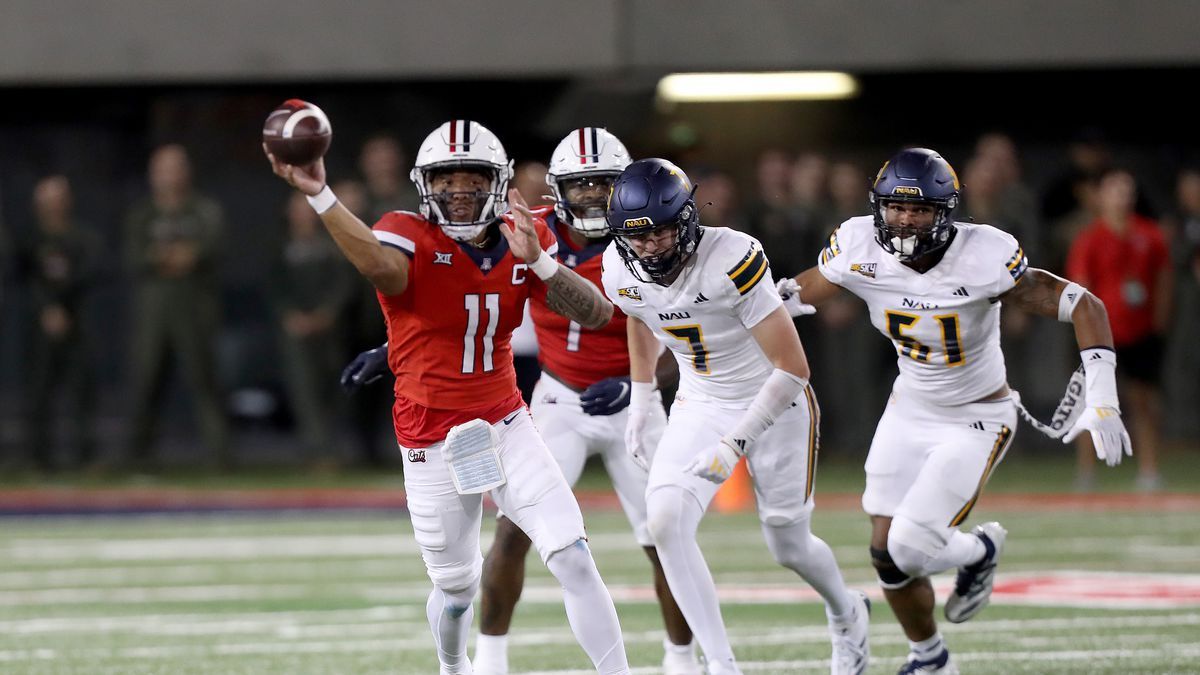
(791, 86)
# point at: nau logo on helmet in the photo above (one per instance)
(906, 190)
(630, 292)
(638, 222)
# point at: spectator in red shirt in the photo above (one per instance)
(1122, 258)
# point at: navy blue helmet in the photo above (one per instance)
(922, 176)
(648, 195)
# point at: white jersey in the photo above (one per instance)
(945, 323)
(705, 316)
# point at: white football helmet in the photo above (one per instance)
(586, 162)
(468, 145)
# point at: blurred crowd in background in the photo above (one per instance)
(169, 330)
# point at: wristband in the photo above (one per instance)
(640, 394)
(777, 394)
(322, 201)
(1070, 297)
(545, 266)
(1100, 375)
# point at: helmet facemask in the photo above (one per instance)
(662, 268)
(582, 201)
(462, 145)
(906, 242)
(462, 215)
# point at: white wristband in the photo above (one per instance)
(777, 395)
(323, 200)
(1100, 376)
(1070, 297)
(640, 394)
(545, 266)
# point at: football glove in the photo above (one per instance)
(789, 292)
(1109, 436)
(716, 464)
(366, 368)
(641, 398)
(606, 397)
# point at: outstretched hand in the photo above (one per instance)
(308, 179)
(521, 234)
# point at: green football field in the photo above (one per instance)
(1110, 588)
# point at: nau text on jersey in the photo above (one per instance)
(918, 304)
(671, 316)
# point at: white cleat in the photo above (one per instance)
(851, 650)
(973, 587)
(941, 664)
(680, 660)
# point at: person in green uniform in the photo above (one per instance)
(309, 289)
(171, 244)
(59, 261)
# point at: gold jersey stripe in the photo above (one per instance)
(748, 272)
(1016, 260)
(814, 439)
(998, 449)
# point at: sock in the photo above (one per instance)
(450, 614)
(673, 517)
(927, 650)
(590, 609)
(492, 651)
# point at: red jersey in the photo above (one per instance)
(449, 331)
(578, 356)
(1122, 270)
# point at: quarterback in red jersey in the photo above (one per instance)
(579, 402)
(452, 282)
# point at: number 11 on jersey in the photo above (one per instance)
(471, 302)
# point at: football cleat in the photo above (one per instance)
(942, 664)
(973, 587)
(851, 650)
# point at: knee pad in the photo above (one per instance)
(912, 546)
(890, 576)
(456, 576)
(457, 601)
(665, 514)
(788, 542)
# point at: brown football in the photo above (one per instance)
(297, 132)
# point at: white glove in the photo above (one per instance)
(641, 402)
(1102, 417)
(1108, 433)
(716, 463)
(789, 292)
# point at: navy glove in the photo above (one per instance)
(606, 397)
(366, 368)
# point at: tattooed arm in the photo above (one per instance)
(1039, 293)
(567, 293)
(577, 299)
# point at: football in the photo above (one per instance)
(297, 132)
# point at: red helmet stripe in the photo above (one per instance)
(582, 146)
(453, 134)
